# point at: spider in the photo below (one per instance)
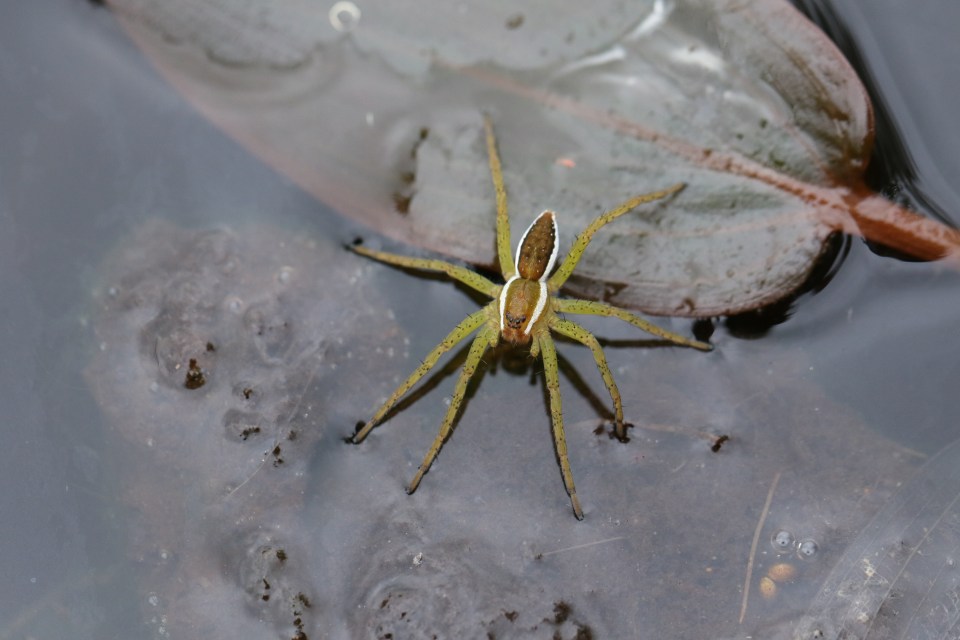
(523, 311)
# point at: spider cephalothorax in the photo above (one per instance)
(524, 310)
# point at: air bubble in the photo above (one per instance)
(807, 549)
(344, 16)
(782, 541)
(234, 304)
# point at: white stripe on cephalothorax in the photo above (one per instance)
(556, 245)
(541, 303)
(503, 299)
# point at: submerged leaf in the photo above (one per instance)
(376, 109)
(904, 559)
(243, 507)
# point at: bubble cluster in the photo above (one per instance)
(784, 542)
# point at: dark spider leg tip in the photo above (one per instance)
(351, 439)
(625, 437)
(356, 242)
(577, 509)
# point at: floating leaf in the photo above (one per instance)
(376, 109)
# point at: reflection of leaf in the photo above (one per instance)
(747, 102)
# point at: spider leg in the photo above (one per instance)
(461, 274)
(590, 307)
(575, 331)
(507, 267)
(461, 331)
(487, 337)
(552, 376)
(580, 244)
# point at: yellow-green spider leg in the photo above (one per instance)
(552, 376)
(576, 332)
(576, 251)
(470, 278)
(487, 337)
(507, 267)
(461, 331)
(589, 307)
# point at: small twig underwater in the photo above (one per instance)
(579, 546)
(753, 545)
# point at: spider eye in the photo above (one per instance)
(515, 321)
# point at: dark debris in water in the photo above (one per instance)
(169, 289)
(195, 378)
(719, 442)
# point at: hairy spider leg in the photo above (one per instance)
(576, 251)
(576, 332)
(461, 331)
(594, 308)
(507, 267)
(461, 274)
(487, 338)
(552, 377)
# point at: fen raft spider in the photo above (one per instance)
(523, 311)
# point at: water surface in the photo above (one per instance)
(136, 236)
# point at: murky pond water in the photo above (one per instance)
(146, 496)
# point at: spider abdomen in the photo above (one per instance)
(538, 248)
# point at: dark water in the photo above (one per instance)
(116, 523)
